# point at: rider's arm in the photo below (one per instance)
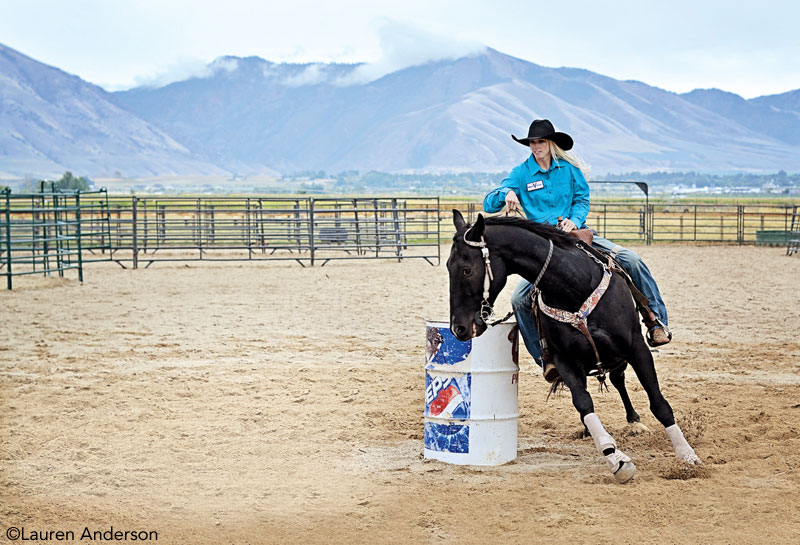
(580, 198)
(495, 200)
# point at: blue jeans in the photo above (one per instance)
(633, 264)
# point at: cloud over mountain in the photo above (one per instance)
(403, 45)
(187, 69)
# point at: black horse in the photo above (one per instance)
(567, 275)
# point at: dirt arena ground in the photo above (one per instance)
(269, 403)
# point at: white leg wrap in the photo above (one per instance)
(681, 446)
(618, 462)
(602, 439)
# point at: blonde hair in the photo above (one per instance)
(572, 158)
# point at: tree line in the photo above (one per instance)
(67, 182)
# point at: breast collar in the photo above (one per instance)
(578, 319)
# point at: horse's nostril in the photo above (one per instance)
(459, 330)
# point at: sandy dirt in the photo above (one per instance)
(269, 403)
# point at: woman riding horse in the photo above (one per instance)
(602, 336)
(548, 186)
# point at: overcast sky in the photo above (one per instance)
(749, 48)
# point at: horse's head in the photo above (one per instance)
(468, 275)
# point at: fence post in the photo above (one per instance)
(134, 231)
(211, 229)
(438, 233)
(261, 224)
(199, 216)
(296, 229)
(78, 235)
(59, 239)
(144, 227)
(358, 229)
(311, 229)
(8, 236)
(34, 228)
(740, 224)
(396, 221)
(41, 213)
(248, 228)
(106, 236)
(377, 228)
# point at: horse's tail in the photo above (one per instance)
(556, 388)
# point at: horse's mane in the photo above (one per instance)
(544, 230)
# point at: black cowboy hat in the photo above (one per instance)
(542, 128)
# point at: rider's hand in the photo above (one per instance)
(567, 225)
(512, 202)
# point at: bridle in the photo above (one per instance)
(487, 311)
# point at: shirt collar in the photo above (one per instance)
(534, 166)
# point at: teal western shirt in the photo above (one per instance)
(544, 195)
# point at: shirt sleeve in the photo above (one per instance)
(495, 200)
(580, 198)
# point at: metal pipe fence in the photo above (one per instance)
(50, 232)
(305, 230)
(643, 223)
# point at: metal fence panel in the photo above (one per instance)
(306, 230)
(49, 232)
(636, 221)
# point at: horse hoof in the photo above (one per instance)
(625, 472)
(691, 458)
(621, 466)
(635, 428)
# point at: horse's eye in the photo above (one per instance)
(467, 271)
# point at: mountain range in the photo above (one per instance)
(248, 116)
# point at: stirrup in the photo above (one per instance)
(651, 339)
(550, 372)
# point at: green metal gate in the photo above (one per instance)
(48, 232)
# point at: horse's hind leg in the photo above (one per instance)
(645, 370)
(618, 462)
(618, 380)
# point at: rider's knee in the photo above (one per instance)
(521, 299)
(629, 258)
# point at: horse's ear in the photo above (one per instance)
(476, 231)
(458, 220)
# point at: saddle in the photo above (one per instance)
(584, 235)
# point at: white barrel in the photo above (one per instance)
(471, 407)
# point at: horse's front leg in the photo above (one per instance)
(618, 462)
